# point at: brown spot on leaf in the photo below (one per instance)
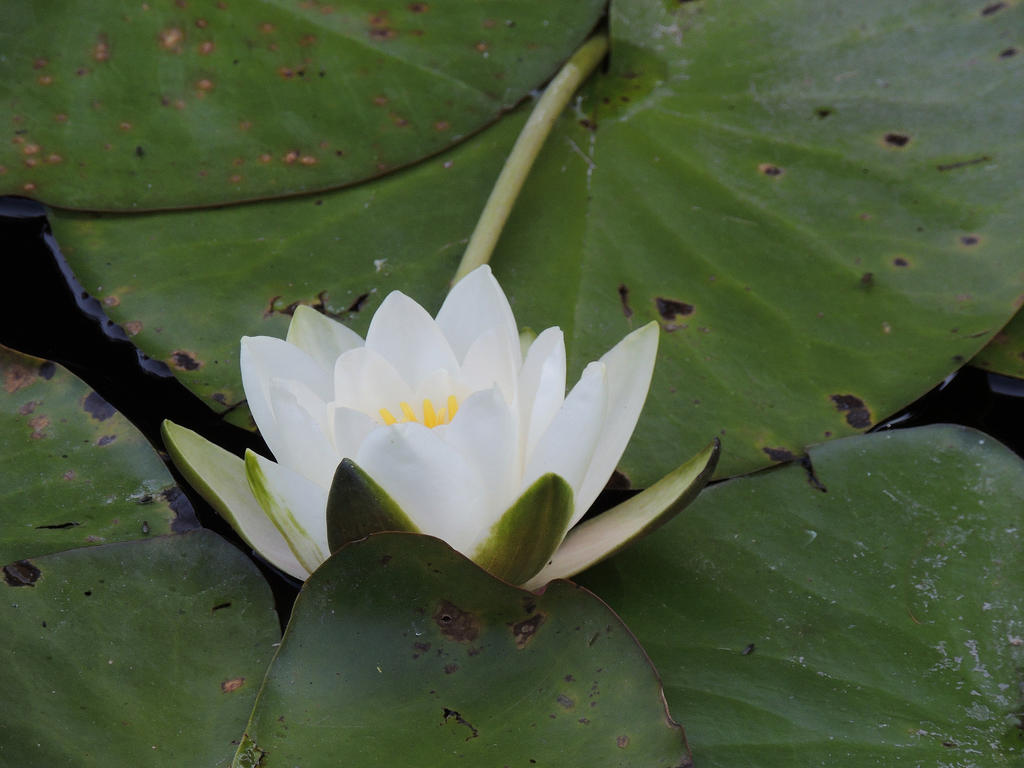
(857, 413)
(523, 631)
(232, 684)
(624, 300)
(17, 377)
(105, 440)
(419, 7)
(899, 261)
(969, 240)
(171, 39)
(456, 624)
(183, 360)
(451, 713)
(671, 309)
(39, 424)
(770, 170)
(896, 139)
(779, 454)
(442, 125)
(205, 85)
(97, 407)
(451, 668)
(1006, 53)
(21, 574)
(622, 742)
(101, 51)
(132, 327)
(988, 10)
(207, 47)
(45, 79)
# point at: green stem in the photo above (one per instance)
(524, 152)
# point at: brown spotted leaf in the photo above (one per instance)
(400, 651)
(163, 104)
(73, 471)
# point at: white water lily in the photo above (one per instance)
(458, 428)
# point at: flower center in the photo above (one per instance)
(431, 417)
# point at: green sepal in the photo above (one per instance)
(602, 536)
(529, 531)
(357, 507)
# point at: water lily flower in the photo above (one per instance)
(447, 426)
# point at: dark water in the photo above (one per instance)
(45, 313)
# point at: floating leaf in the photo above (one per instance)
(1004, 354)
(73, 471)
(863, 610)
(168, 105)
(819, 202)
(145, 653)
(400, 651)
(250, 266)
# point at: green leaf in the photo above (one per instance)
(73, 471)
(402, 652)
(145, 653)
(865, 609)
(602, 536)
(357, 507)
(528, 532)
(818, 200)
(163, 105)
(1005, 353)
(249, 266)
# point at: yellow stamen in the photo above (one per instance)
(407, 410)
(429, 416)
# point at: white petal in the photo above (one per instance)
(348, 430)
(436, 486)
(630, 364)
(302, 440)
(408, 338)
(484, 432)
(493, 359)
(220, 479)
(475, 305)
(264, 358)
(568, 444)
(365, 381)
(295, 505)
(541, 387)
(321, 337)
(436, 387)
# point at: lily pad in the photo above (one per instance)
(144, 653)
(818, 201)
(138, 106)
(865, 609)
(249, 266)
(401, 651)
(73, 471)
(1004, 354)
